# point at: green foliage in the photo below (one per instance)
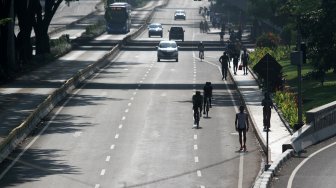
(279, 53)
(5, 21)
(287, 103)
(270, 40)
(60, 46)
(95, 29)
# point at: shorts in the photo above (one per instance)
(241, 130)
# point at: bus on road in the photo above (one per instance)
(118, 17)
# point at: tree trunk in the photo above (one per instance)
(25, 19)
(42, 24)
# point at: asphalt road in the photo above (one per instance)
(315, 167)
(130, 125)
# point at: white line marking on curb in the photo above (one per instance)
(102, 173)
(195, 136)
(195, 147)
(291, 178)
(120, 126)
(97, 186)
(196, 159)
(116, 136)
(112, 146)
(199, 174)
(108, 158)
(241, 170)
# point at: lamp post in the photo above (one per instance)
(300, 122)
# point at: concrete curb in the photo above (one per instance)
(18, 134)
(263, 181)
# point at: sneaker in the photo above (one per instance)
(245, 148)
(241, 149)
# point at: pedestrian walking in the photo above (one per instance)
(201, 27)
(224, 60)
(267, 106)
(235, 62)
(242, 126)
(245, 58)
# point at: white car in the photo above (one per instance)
(180, 14)
(167, 50)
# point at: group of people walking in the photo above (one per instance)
(226, 58)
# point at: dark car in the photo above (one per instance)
(155, 29)
(176, 33)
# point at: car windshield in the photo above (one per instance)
(179, 11)
(167, 45)
(154, 26)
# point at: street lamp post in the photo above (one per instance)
(300, 122)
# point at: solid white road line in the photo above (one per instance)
(241, 157)
(291, 178)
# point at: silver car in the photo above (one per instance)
(155, 29)
(180, 14)
(167, 50)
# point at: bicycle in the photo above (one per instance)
(207, 106)
(196, 117)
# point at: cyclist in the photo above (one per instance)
(207, 90)
(201, 50)
(197, 100)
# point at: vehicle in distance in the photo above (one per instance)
(176, 33)
(167, 50)
(118, 17)
(155, 29)
(180, 14)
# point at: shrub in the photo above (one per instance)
(60, 46)
(287, 103)
(269, 40)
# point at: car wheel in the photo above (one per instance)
(158, 59)
(176, 59)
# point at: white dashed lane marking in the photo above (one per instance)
(108, 158)
(116, 136)
(97, 186)
(102, 173)
(126, 110)
(123, 118)
(195, 147)
(199, 173)
(112, 146)
(195, 136)
(120, 126)
(196, 159)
